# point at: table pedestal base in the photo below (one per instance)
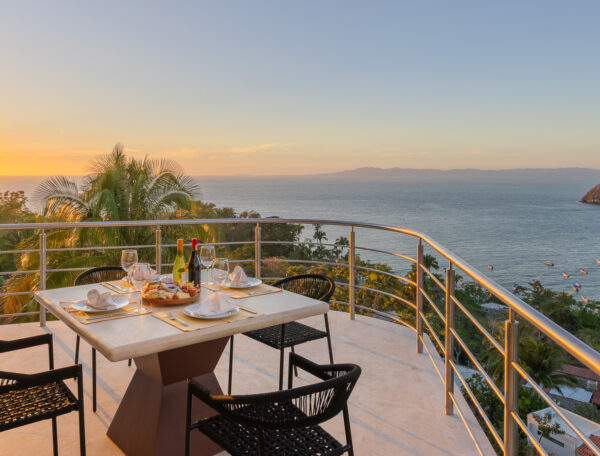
(150, 420)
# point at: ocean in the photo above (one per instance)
(515, 226)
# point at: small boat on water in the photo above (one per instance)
(515, 286)
(598, 261)
(565, 275)
(575, 289)
(585, 299)
(582, 271)
(577, 284)
(548, 263)
(490, 267)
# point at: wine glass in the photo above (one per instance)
(207, 256)
(139, 273)
(220, 270)
(128, 258)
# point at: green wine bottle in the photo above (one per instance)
(179, 266)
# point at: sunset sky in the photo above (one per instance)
(282, 87)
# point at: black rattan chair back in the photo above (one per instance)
(292, 408)
(29, 398)
(100, 274)
(314, 286)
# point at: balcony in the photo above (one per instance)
(396, 408)
(411, 397)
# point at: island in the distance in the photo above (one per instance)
(514, 174)
(593, 196)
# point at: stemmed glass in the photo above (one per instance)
(207, 256)
(220, 270)
(140, 272)
(128, 258)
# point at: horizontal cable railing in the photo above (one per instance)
(422, 284)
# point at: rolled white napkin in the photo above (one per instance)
(238, 277)
(144, 273)
(215, 303)
(99, 300)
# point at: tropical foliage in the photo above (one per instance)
(121, 188)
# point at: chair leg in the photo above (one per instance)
(348, 431)
(129, 362)
(54, 437)
(281, 357)
(94, 380)
(295, 367)
(188, 421)
(81, 415)
(77, 350)
(230, 365)
(51, 354)
(328, 339)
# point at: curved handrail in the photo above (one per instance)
(563, 338)
(557, 334)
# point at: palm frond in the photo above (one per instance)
(15, 284)
(103, 162)
(58, 193)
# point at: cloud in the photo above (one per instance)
(403, 154)
(213, 153)
(249, 149)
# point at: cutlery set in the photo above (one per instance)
(119, 289)
(114, 287)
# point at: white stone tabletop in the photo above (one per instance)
(137, 336)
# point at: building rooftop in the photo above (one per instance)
(584, 450)
(397, 407)
(587, 427)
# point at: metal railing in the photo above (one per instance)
(518, 309)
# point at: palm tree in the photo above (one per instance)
(117, 188)
(543, 361)
(540, 358)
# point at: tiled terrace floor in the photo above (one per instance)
(396, 408)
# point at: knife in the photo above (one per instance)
(114, 287)
(248, 310)
(109, 316)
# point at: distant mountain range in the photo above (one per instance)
(458, 174)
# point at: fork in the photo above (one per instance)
(171, 317)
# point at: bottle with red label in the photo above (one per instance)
(194, 268)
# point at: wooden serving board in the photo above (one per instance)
(170, 302)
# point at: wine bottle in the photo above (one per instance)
(179, 267)
(194, 265)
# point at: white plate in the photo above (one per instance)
(252, 282)
(118, 302)
(189, 311)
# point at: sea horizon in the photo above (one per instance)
(513, 226)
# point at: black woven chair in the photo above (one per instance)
(314, 286)
(281, 422)
(28, 398)
(96, 275)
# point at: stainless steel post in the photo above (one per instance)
(257, 257)
(419, 298)
(42, 274)
(352, 273)
(449, 342)
(158, 250)
(511, 391)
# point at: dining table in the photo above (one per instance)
(150, 419)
